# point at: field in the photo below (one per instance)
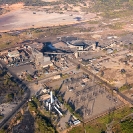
(111, 120)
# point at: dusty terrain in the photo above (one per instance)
(50, 0)
(22, 18)
(13, 6)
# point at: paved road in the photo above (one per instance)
(6, 119)
(52, 75)
(102, 81)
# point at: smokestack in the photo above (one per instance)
(51, 96)
(58, 111)
(49, 106)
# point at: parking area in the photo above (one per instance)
(18, 70)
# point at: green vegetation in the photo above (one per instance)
(113, 118)
(32, 106)
(116, 26)
(78, 129)
(1, 116)
(2, 131)
(98, 5)
(42, 123)
(110, 5)
(37, 33)
(72, 111)
(8, 88)
(64, 76)
(10, 96)
(29, 77)
(117, 14)
(7, 41)
(39, 2)
(30, 2)
(116, 115)
(78, 67)
(93, 22)
(125, 87)
(127, 126)
(74, 1)
(18, 117)
(113, 8)
(130, 46)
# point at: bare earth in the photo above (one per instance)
(22, 19)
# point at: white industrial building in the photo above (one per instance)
(57, 77)
(78, 44)
(14, 53)
(109, 51)
(51, 103)
(41, 60)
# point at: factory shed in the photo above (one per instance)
(14, 53)
(46, 64)
(44, 97)
(78, 44)
(37, 45)
(68, 39)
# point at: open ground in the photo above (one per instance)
(24, 18)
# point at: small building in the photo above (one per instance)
(93, 46)
(85, 80)
(46, 64)
(14, 53)
(6, 60)
(57, 77)
(76, 122)
(45, 97)
(59, 45)
(37, 45)
(113, 44)
(76, 54)
(4, 52)
(41, 60)
(109, 51)
(78, 44)
(96, 47)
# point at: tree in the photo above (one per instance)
(2, 131)
(123, 72)
(102, 73)
(29, 77)
(127, 126)
(10, 97)
(1, 116)
(78, 66)
(32, 106)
